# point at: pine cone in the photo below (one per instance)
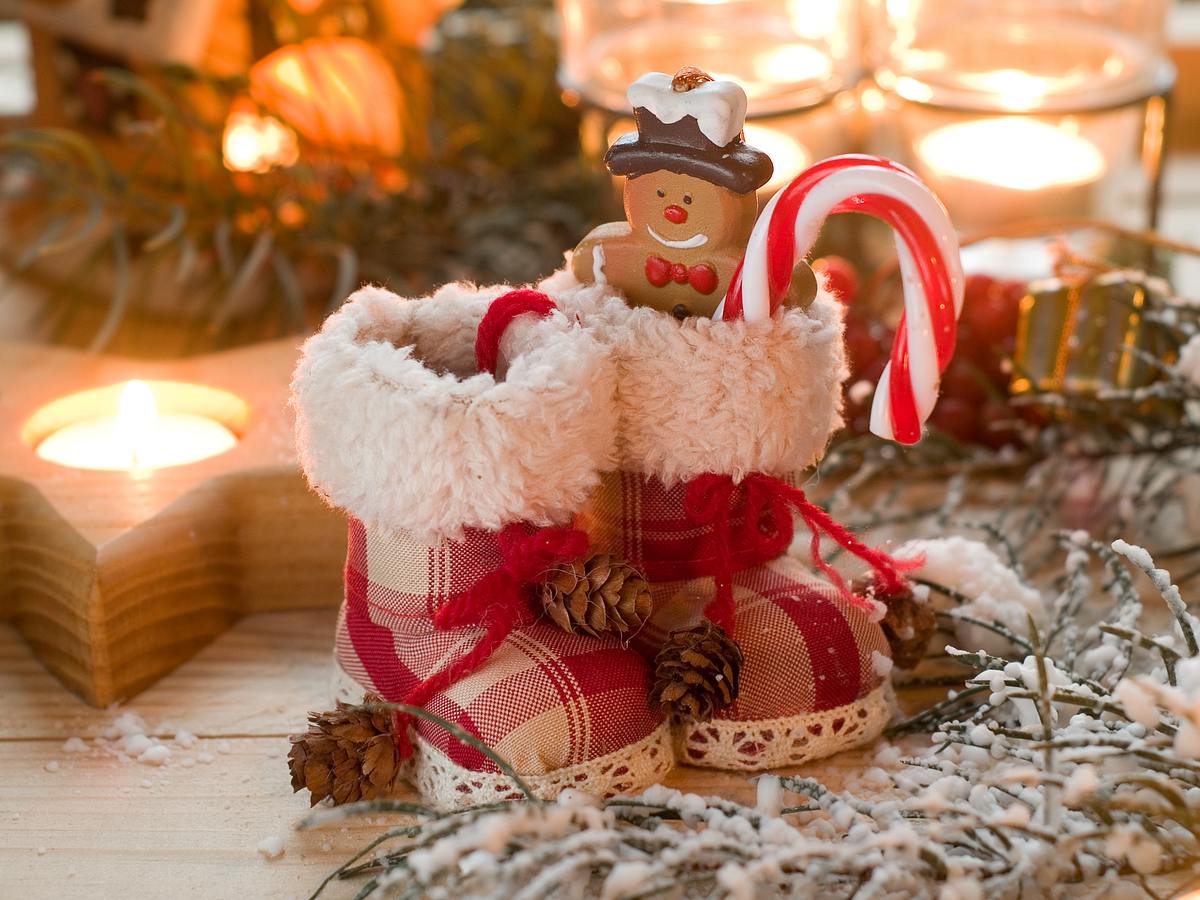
(348, 753)
(696, 672)
(907, 624)
(601, 594)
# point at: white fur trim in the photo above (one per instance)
(704, 395)
(395, 426)
(719, 107)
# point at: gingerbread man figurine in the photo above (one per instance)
(690, 201)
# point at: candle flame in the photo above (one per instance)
(137, 416)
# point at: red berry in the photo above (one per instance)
(839, 276)
(1014, 290)
(957, 418)
(964, 380)
(864, 344)
(976, 286)
(992, 314)
(987, 363)
(964, 337)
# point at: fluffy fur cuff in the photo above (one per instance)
(395, 426)
(728, 397)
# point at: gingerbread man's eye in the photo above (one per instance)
(687, 198)
(661, 192)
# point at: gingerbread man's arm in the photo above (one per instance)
(802, 289)
(586, 264)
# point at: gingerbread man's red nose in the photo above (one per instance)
(676, 214)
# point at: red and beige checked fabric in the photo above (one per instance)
(805, 649)
(641, 520)
(546, 700)
(811, 681)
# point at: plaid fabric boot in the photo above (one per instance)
(461, 488)
(715, 419)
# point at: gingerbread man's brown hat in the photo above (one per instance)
(692, 125)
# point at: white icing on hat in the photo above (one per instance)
(719, 107)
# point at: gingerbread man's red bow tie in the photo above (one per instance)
(702, 277)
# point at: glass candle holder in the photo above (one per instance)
(1014, 109)
(797, 60)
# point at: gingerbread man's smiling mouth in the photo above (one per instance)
(699, 239)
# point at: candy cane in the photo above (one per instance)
(929, 266)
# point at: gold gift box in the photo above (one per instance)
(1081, 337)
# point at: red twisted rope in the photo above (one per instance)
(503, 310)
(765, 506)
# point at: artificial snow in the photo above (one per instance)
(626, 878)
(737, 885)
(1081, 785)
(126, 724)
(1187, 740)
(1139, 704)
(129, 739)
(136, 744)
(1189, 360)
(271, 847)
(881, 663)
(961, 889)
(156, 755)
(981, 735)
(993, 590)
(769, 795)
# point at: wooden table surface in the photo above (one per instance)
(84, 825)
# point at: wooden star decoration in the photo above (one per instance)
(115, 578)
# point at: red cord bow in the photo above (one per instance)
(499, 601)
(765, 507)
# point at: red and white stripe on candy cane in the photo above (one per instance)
(929, 266)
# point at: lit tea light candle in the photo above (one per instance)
(136, 437)
(1007, 168)
(1012, 152)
